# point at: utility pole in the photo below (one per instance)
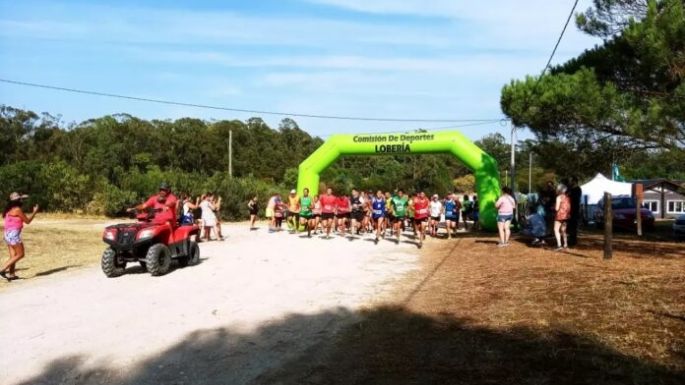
(230, 153)
(608, 226)
(513, 158)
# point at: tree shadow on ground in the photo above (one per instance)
(387, 345)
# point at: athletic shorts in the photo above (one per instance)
(377, 216)
(452, 219)
(343, 216)
(306, 215)
(269, 213)
(505, 218)
(358, 216)
(254, 212)
(397, 219)
(13, 237)
(437, 219)
(420, 221)
(326, 216)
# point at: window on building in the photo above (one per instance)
(652, 205)
(676, 207)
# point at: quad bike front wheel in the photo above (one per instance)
(110, 265)
(158, 259)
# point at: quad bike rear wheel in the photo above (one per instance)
(193, 257)
(110, 265)
(158, 259)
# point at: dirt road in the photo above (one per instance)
(254, 301)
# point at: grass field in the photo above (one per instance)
(478, 314)
(55, 243)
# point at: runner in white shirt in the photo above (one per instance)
(436, 211)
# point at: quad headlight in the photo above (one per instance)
(147, 233)
(110, 235)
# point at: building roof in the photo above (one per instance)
(650, 183)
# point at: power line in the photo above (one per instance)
(195, 105)
(563, 31)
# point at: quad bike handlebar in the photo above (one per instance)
(146, 214)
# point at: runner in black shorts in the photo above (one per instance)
(328, 205)
(357, 214)
(399, 204)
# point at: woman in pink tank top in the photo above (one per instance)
(14, 219)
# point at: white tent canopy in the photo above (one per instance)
(594, 189)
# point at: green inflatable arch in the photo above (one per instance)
(482, 164)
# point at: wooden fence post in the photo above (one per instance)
(639, 192)
(608, 226)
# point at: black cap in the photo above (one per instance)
(164, 186)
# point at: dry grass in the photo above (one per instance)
(634, 303)
(55, 244)
(478, 314)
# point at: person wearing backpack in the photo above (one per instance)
(563, 213)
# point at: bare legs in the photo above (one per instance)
(16, 253)
(504, 229)
(560, 234)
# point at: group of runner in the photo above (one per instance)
(365, 212)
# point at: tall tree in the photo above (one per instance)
(629, 89)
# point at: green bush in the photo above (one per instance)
(65, 187)
(236, 192)
(111, 200)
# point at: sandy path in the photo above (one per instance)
(255, 300)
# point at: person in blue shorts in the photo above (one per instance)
(378, 213)
(451, 215)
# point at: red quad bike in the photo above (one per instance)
(151, 244)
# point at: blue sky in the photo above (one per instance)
(437, 59)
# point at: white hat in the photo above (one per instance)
(293, 191)
(15, 196)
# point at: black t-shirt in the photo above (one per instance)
(575, 194)
(253, 206)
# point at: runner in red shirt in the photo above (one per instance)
(328, 206)
(164, 203)
(342, 214)
(421, 214)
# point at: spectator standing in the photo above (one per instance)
(475, 213)
(561, 216)
(253, 208)
(187, 216)
(575, 193)
(548, 199)
(505, 213)
(14, 220)
(467, 210)
(208, 215)
(217, 213)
